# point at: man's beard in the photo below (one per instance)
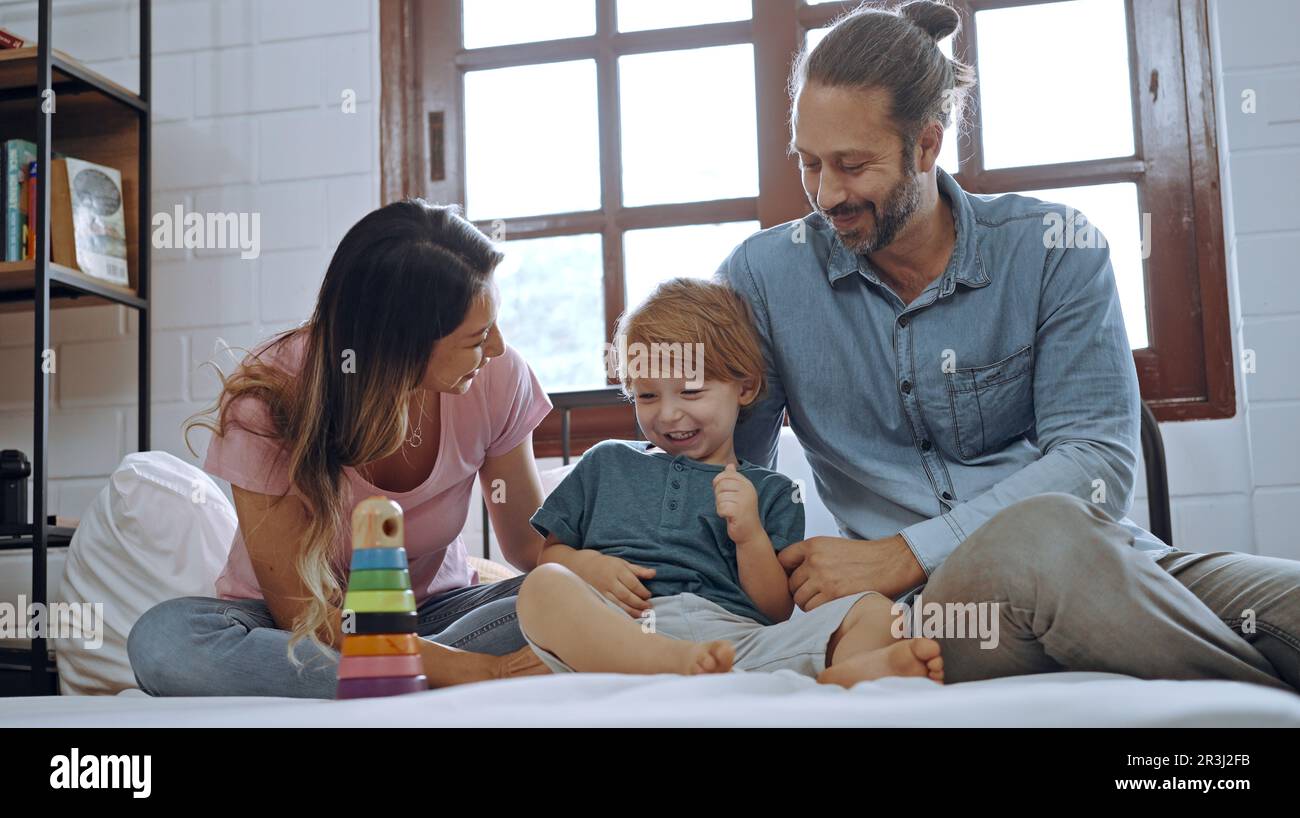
(899, 207)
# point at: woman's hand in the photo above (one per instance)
(617, 579)
(737, 503)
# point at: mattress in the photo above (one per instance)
(781, 699)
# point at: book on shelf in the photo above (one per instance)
(10, 40)
(18, 156)
(29, 235)
(87, 219)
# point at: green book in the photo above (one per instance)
(18, 153)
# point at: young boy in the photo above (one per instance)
(660, 555)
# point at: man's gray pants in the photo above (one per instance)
(1076, 595)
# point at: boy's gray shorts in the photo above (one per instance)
(797, 644)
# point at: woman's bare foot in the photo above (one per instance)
(446, 666)
(908, 657)
(523, 662)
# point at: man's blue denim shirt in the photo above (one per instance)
(1009, 376)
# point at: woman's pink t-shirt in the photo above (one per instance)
(503, 404)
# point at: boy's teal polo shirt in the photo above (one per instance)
(631, 501)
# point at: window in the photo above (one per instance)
(613, 143)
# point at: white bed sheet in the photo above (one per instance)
(739, 699)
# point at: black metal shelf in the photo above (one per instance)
(16, 678)
(69, 77)
(17, 537)
(85, 79)
(18, 285)
(49, 281)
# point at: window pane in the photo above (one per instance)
(503, 22)
(639, 15)
(552, 308)
(652, 256)
(1061, 97)
(689, 128)
(814, 36)
(532, 144)
(1114, 210)
(948, 153)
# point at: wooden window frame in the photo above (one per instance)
(1187, 370)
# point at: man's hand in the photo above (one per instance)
(737, 503)
(617, 579)
(826, 568)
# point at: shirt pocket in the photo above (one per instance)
(991, 404)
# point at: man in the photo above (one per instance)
(966, 395)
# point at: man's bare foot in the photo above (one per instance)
(523, 662)
(908, 657)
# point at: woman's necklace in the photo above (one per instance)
(416, 436)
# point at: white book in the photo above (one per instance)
(98, 220)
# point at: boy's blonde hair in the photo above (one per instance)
(694, 311)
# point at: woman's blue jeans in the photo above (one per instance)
(200, 646)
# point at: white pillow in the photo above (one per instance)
(551, 478)
(160, 529)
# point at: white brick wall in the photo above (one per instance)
(1233, 479)
(247, 117)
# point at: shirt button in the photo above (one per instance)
(947, 495)
(907, 387)
(677, 484)
(678, 466)
(925, 446)
(902, 322)
(672, 506)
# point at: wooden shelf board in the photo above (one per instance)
(18, 70)
(20, 276)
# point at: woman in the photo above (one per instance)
(399, 385)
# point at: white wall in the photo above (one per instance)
(246, 117)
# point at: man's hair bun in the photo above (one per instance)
(936, 19)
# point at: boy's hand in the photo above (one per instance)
(617, 579)
(737, 503)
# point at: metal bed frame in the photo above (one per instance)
(566, 402)
(1153, 458)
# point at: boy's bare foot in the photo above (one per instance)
(908, 657)
(707, 657)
